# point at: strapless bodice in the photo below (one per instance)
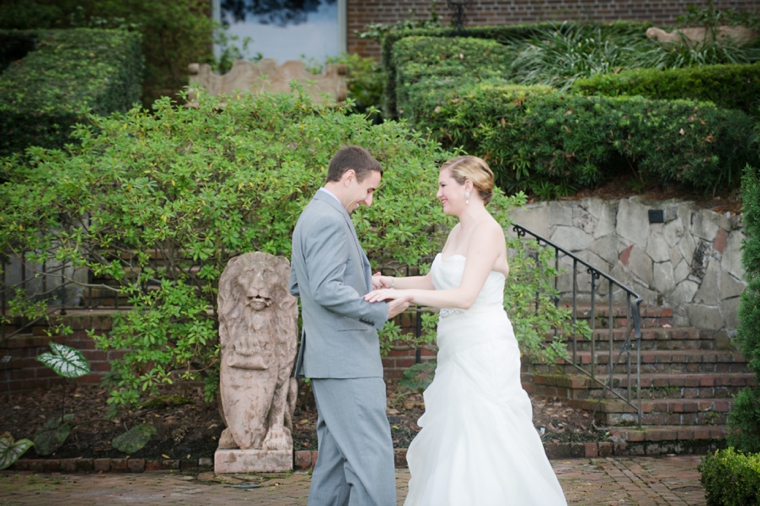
(448, 275)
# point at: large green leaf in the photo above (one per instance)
(11, 450)
(65, 361)
(52, 435)
(419, 376)
(134, 439)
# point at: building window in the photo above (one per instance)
(286, 29)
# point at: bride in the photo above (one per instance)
(477, 445)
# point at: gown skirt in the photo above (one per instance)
(478, 445)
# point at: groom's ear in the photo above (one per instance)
(348, 176)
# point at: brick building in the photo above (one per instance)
(360, 13)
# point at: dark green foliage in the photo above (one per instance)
(539, 139)
(69, 74)
(731, 478)
(744, 418)
(497, 33)
(52, 435)
(134, 439)
(174, 33)
(727, 86)
(419, 376)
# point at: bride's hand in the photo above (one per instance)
(387, 294)
(379, 281)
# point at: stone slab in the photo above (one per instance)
(253, 461)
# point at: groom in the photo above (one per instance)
(339, 349)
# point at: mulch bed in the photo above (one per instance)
(191, 430)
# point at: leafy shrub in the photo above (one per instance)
(69, 74)
(744, 418)
(497, 33)
(727, 86)
(364, 80)
(159, 202)
(731, 478)
(174, 33)
(534, 136)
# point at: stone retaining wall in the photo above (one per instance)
(690, 262)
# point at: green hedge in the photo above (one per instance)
(727, 86)
(548, 142)
(503, 33)
(731, 478)
(70, 73)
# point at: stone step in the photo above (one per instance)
(656, 433)
(655, 338)
(652, 361)
(650, 316)
(658, 412)
(653, 386)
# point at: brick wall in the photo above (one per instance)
(24, 372)
(490, 12)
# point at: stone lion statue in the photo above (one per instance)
(258, 331)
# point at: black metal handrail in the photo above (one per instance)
(633, 323)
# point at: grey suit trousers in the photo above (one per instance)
(355, 466)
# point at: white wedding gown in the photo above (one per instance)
(478, 446)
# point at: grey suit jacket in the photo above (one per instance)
(330, 273)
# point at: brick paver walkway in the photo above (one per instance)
(621, 481)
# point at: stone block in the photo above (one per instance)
(205, 463)
(606, 248)
(136, 465)
(84, 465)
(683, 293)
(702, 226)
(664, 277)
(641, 265)
(583, 220)
(730, 310)
(572, 239)
(534, 217)
(302, 459)
(605, 449)
(730, 286)
(704, 317)
(119, 465)
(674, 256)
(732, 256)
(252, 461)
(657, 248)
(681, 272)
(604, 213)
(101, 465)
(708, 292)
(686, 246)
(633, 222)
(68, 465)
(559, 215)
(672, 232)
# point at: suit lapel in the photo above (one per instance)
(338, 207)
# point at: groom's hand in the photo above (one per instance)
(398, 306)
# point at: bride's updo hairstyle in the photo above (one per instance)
(474, 169)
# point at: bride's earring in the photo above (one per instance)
(466, 197)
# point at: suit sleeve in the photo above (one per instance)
(294, 291)
(326, 253)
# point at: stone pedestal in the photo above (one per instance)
(253, 461)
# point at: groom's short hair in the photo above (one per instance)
(352, 157)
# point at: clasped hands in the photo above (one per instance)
(398, 300)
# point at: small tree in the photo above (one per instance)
(744, 419)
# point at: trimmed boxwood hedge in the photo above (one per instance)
(68, 74)
(539, 139)
(731, 478)
(727, 86)
(501, 33)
